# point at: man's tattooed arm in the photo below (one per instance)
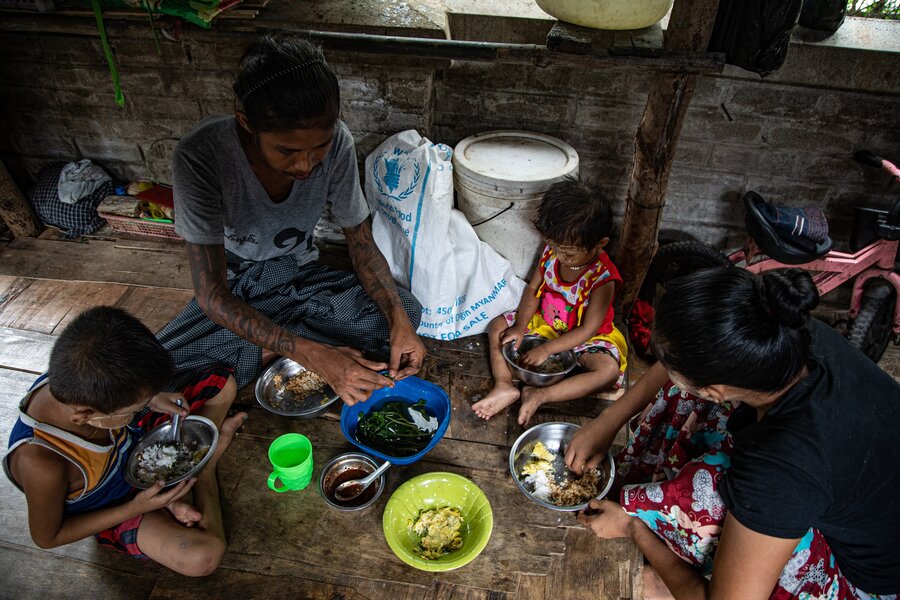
(208, 271)
(373, 271)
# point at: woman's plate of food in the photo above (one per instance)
(437, 521)
(289, 389)
(158, 457)
(537, 464)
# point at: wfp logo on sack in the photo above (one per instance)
(391, 169)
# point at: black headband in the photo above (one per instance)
(267, 80)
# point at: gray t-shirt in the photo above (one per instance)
(218, 198)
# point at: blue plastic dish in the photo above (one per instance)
(411, 390)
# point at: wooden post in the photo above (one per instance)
(14, 209)
(690, 28)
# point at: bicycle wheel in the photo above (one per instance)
(871, 330)
(677, 259)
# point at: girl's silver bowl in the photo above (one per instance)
(534, 378)
(196, 432)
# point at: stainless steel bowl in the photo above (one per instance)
(534, 378)
(556, 438)
(345, 467)
(196, 431)
(275, 399)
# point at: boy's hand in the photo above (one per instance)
(166, 402)
(536, 356)
(154, 497)
(513, 334)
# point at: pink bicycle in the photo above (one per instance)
(871, 263)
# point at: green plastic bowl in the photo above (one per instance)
(437, 490)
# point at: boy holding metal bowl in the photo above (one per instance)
(78, 425)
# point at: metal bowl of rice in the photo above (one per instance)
(287, 388)
(157, 457)
(542, 475)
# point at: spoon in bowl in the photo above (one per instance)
(352, 488)
(177, 420)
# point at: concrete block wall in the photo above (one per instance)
(790, 136)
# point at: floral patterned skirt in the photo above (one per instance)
(671, 469)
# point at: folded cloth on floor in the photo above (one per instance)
(79, 180)
(76, 219)
(805, 227)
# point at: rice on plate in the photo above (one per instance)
(167, 461)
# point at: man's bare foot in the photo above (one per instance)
(499, 398)
(532, 398)
(185, 513)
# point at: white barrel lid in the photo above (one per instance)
(514, 161)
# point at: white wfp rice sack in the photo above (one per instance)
(461, 281)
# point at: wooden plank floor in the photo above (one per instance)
(286, 545)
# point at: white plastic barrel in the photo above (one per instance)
(607, 14)
(499, 178)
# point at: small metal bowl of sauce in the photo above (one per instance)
(345, 467)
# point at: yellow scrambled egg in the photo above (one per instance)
(440, 531)
(540, 452)
(539, 461)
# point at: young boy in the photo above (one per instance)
(69, 447)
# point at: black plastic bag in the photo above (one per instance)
(823, 15)
(755, 34)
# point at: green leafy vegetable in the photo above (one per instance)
(397, 428)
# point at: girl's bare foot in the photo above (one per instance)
(499, 398)
(532, 398)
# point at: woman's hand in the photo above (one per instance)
(589, 445)
(608, 519)
(351, 376)
(154, 497)
(166, 402)
(514, 334)
(407, 353)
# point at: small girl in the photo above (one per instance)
(568, 301)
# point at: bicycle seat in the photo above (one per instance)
(769, 241)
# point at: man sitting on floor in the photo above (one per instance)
(249, 190)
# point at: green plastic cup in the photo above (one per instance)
(292, 459)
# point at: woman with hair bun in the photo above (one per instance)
(765, 462)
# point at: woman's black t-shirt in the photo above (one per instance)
(827, 456)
